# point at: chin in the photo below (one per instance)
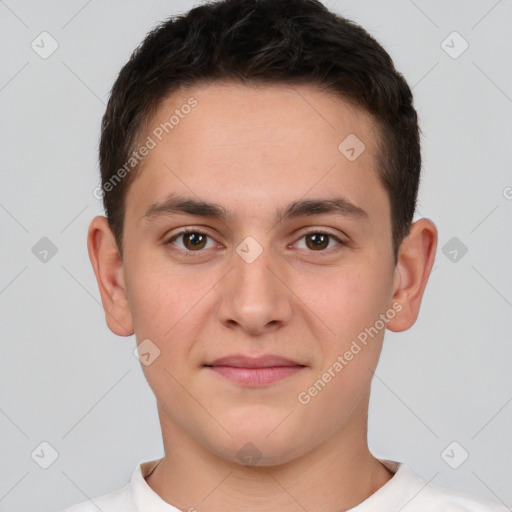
(255, 447)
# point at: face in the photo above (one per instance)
(287, 252)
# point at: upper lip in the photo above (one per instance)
(265, 361)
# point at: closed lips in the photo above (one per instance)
(266, 361)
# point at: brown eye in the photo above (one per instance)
(188, 242)
(317, 241)
(194, 241)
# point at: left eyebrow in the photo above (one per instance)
(337, 205)
(192, 206)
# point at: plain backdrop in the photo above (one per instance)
(442, 391)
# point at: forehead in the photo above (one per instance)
(258, 144)
(228, 112)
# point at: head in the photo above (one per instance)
(282, 138)
(270, 42)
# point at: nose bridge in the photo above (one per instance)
(255, 297)
(251, 265)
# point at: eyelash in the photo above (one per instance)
(189, 253)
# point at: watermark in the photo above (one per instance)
(44, 250)
(454, 249)
(249, 249)
(351, 147)
(150, 143)
(44, 45)
(304, 397)
(44, 455)
(249, 454)
(146, 352)
(454, 455)
(454, 45)
(507, 192)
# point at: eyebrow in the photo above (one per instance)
(190, 206)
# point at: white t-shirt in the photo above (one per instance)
(405, 492)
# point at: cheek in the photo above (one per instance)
(347, 300)
(164, 309)
(171, 306)
(350, 305)
(157, 300)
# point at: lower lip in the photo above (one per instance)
(255, 376)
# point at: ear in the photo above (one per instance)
(414, 263)
(108, 269)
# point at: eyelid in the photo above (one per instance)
(298, 236)
(168, 240)
(321, 231)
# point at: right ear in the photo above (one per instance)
(108, 269)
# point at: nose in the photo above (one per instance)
(254, 297)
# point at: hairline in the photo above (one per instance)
(143, 129)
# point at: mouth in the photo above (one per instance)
(254, 371)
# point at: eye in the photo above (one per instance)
(192, 241)
(319, 241)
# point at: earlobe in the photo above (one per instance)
(414, 264)
(108, 269)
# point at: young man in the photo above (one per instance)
(260, 163)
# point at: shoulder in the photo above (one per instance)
(436, 498)
(133, 497)
(441, 498)
(117, 501)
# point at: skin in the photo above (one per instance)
(253, 150)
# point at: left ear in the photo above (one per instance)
(414, 264)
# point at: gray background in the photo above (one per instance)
(66, 380)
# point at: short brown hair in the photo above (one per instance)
(266, 41)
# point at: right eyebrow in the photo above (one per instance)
(186, 205)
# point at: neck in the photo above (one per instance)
(336, 475)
